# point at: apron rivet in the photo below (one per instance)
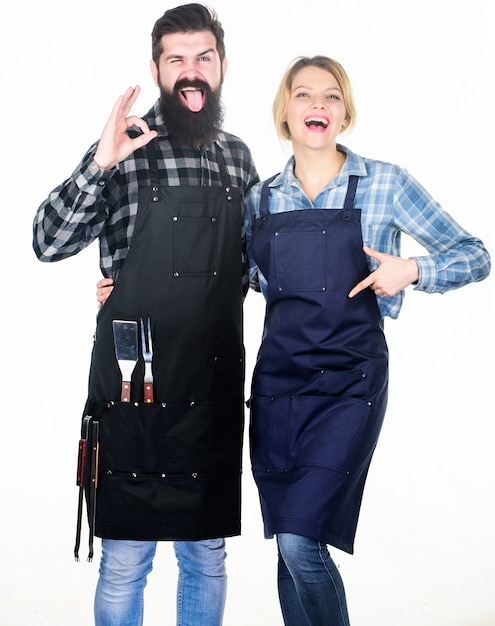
(155, 198)
(370, 403)
(164, 404)
(323, 232)
(194, 475)
(109, 472)
(134, 475)
(267, 469)
(175, 218)
(176, 274)
(323, 288)
(164, 476)
(192, 403)
(213, 219)
(215, 273)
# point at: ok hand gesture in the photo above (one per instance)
(115, 145)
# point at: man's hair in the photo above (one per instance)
(188, 18)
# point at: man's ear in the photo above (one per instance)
(154, 71)
(224, 67)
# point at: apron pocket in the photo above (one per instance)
(348, 383)
(328, 431)
(287, 433)
(300, 261)
(195, 246)
(168, 470)
(181, 437)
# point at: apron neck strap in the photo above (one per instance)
(351, 192)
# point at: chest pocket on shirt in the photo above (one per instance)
(300, 260)
(195, 246)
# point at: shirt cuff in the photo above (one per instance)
(427, 273)
(91, 178)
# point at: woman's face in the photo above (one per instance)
(316, 111)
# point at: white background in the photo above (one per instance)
(421, 71)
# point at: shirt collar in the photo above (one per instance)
(354, 165)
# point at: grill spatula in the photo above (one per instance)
(125, 335)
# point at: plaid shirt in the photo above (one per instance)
(391, 202)
(94, 203)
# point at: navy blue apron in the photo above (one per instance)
(319, 389)
(171, 470)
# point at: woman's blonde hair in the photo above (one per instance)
(283, 93)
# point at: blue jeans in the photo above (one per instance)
(310, 588)
(125, 565)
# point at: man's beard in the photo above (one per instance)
(198, 128)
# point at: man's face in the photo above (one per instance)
(189, 59)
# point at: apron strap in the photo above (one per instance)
(350, 196)
(265, 192)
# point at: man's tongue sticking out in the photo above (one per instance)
(194, 99)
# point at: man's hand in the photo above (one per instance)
(115, 145)
(393, 274)
(104, 288)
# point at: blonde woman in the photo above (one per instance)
(323, 241)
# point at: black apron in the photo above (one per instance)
(319, 389)
(171, 470)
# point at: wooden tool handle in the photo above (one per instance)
(125, 394)
(149, 395)
(81, 462)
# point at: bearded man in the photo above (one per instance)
(164, 195)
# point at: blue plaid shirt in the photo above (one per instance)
(391, 202)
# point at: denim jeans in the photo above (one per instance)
(310, 588)
(125, 565)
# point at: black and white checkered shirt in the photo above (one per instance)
(94, 203)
